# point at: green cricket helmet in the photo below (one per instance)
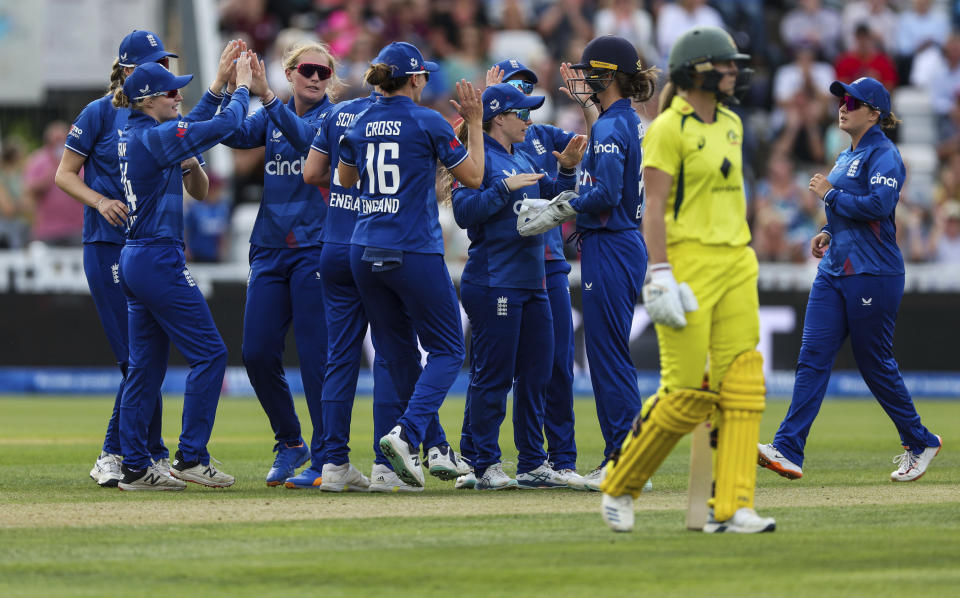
(695, 52)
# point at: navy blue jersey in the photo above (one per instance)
(395, 145)
(291, 212)
(540, 143)
(94, 136)
(343, 203)
(150, 154)
(498, 255)
(861, 208)
(611, 184)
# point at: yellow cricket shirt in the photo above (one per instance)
(707, 203)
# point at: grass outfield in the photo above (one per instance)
(843, 530)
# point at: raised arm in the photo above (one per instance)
(211, 98)
(470, 171)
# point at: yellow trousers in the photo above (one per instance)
(727, 322)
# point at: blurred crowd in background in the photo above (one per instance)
(798, 48)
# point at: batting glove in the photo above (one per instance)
(538, 218)
(665, 300)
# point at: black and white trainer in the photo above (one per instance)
(444, 462)
(403, 456)
(148, 478)
(198, 473)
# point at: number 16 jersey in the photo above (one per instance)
(395, 145)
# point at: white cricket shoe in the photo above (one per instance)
(912, 465)
(444, 463)
(593, 479)
(404, 457)
(768, 456)
(198, 473)
(340, 478)
(572, 479)
(106, 471)
(382, 479)
(744, 521)
(618, 512)
(495, 479)
(541, 478)
(466, 482)
(150, 478)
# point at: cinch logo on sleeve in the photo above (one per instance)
(605, 148)
(75, 131)
(879, 179)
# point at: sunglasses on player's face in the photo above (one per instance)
(308, 69)
(523, 114)
(165, 61)
(524, 86)
(853, 103)
(169, 94)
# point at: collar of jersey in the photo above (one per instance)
(873, 136)
(618, 106)
(493, 145)
(321, 105)
(397, 99)
(141, 119)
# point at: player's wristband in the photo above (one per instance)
(567, 171)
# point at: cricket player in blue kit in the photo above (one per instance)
(608, 210)
(93, 147)
(397, 247)
(539, 144)
(346, 326)
(504, 295)
(163, 300)
(285, 282)
(858, 287)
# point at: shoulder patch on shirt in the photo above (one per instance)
(454, 143)
(181, 129)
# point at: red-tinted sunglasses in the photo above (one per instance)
(307, 69)
(165, 61)
(853, 103)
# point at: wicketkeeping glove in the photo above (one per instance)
(535, 217)
(665, 300)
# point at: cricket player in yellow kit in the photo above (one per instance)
(696, 232)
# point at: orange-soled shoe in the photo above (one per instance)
(768, 456)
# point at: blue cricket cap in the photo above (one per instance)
(511, 67)
(501, 97)
(152, 78)
(609, 52)
(405, 59)
(866, 89)
(141, 46)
